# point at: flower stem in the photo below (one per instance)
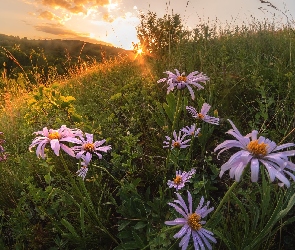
(108, 174)
(190, 154)
(74, 185)
(175, 120)
(87, 201)
(224, 199)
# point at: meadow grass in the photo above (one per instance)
(122, 203)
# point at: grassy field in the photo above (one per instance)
(123, 201)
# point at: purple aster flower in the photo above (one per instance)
(254, 151)
(191, 131)
(191, 223)
(84, 167)
(88, 147)
(203, 114)
(56, 139)
(177, 142)
(180, 179)
(180, 81)
(82, 172)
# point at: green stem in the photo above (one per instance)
(89, 204)
(109, 174)
(88, 201)
(74, 185)
(177, 111)
(224, 199)
(190, 157)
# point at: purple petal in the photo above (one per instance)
(68, 150)
(55, 146)
(178, 209)
(205, 108)
(181, 232)
(185, 240)
(177, 221)
(254, 170)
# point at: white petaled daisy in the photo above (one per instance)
(192, 223)
(191, 131)
(203, 114)
(177, 142)
(56, 138)
(254, 151)
(180, 179)
(180, 81)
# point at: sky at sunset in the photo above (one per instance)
(114, 21)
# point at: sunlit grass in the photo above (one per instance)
(251, 82)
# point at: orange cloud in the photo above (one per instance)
(57, 29)
(49, 16)
(63, 33)
(74, 6)
(108, 18)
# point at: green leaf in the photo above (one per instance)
(47, 178)
(287, 209)
(82, 221)
(123, 224)
(138, 240)
(169, 112)
(76, 118)
(70, 227)
(139, 225)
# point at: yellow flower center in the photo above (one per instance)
(200, 116)
(89, 147)
(177, 180)
(176, 144)
(193, 221)
(256, 148)
(53, 135)
(181, 78)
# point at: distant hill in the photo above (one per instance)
(56, 52)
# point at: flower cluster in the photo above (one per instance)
(180, 179)
(255, 150)
(57, 139)
(3, 155)
(192, 223)
(180, 81)
(180, 141)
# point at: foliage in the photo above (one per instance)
(122, 204)
(159, 35)
(47, 57)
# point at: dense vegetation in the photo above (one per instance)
(45, 58)
(122, 203)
